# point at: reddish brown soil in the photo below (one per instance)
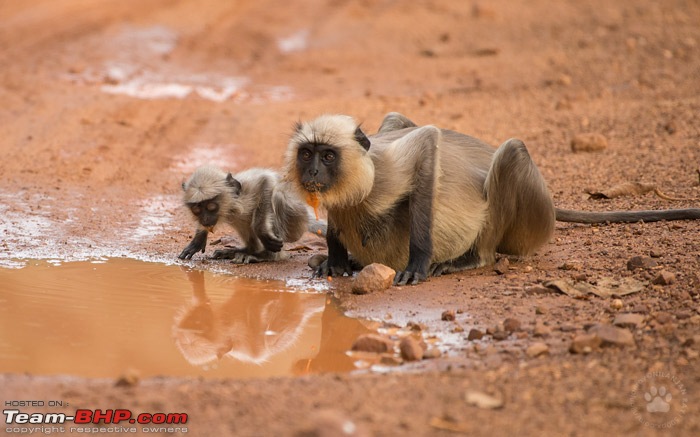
(543, 71)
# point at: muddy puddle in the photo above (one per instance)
(108, 318)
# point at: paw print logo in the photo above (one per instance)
(658, 401)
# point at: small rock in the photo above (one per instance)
(592, 142)
(316, 260)
(683, 315)
(448, 315)
(541, 330)
(642, 309)
(616, 304)
(373, 343)
(457, 329)
(375, 277)
(628, 320)
(502, 266)
(611, 335)
(415, 327)
(585, 344)
(670, 127)
(571, 266)
(432, 353)
(664, 278)
(641, 262)
(656, 253)
(694, 284)
(567, 328)
(390, 360)
(511, 325)
(482, 400)
(537, 349)
(541, 310)
(130, 378)
(663, 317)
(538, 290)
(500, 335)
(475, 334)
(410, 349)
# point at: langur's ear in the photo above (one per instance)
(184, 187)
(361, 138)
(234, 184)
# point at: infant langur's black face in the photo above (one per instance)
(317, 166)
(206, 211)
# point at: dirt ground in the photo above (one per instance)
(108, 105)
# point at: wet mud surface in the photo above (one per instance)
(107, 108)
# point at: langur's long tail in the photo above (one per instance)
(567, 215)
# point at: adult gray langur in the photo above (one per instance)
(427, 201)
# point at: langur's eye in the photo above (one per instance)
(305, 154)
(328, 157)
(196, 210)
(212, 206)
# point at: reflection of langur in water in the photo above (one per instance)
(249, 326)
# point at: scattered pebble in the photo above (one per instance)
(670, 127)
(502, 266)
(432, 353)
(641, 262)
(375, 277)
(129, 378)
(642, 309)
(571, 266)
(511, 325)
(482, 400)
(585, 344)
(415, 327)
(500, 335)
(682, 315)
(373, 343)
(628, 320)
(580, 277)
(591, 142)
(664, 278)
(410, 349)
(611, 335)
(541, 330)
(537, 349)
(448, 315)
(475, 334)
(390, 360)
(315, 261)
(663, 317)
(656, 253)
(538, 290)
(616, 304)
